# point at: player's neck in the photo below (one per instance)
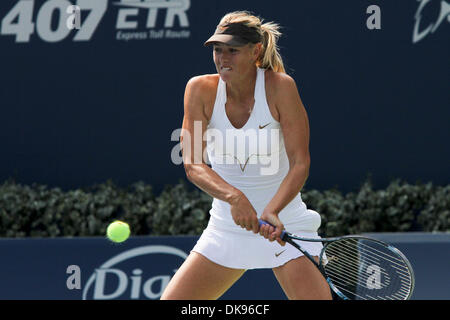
(242, 88)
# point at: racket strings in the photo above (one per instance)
(394, 259)
(402, 269)
(346, 279)
(349, 278)
(352, 274)
(367, 270)
(356, 243)
(348, 250)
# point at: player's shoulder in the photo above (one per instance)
(279, 85)
(279, 80)
(203, 83)
(201, 92)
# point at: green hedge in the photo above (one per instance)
(37, 211)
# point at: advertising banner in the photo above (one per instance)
(141, 267)
(98, 269)
(92, 90)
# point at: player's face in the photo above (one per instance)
(233, 62)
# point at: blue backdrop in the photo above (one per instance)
(141, 267)
(78, 107)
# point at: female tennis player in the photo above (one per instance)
(251, 95)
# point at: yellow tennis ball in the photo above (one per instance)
(118, 231)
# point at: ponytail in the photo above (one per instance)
(270, 57)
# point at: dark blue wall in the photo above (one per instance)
(74, 113)
(37, 268)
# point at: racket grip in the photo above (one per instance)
(283, 233)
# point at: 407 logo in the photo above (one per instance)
(51, 22)
(54, 20)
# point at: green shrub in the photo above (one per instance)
(179, 211)
(37, 211)
(436, 214)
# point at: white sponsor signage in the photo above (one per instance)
(132, 286)
(58, 20)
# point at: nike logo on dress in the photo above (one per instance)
(277, 254)
(262, 127)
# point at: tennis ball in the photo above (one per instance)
(118, 231)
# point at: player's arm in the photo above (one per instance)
(295, 129)
(197, 171)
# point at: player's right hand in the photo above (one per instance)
(243, 213)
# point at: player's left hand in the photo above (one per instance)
(270, 232)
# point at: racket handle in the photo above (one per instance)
(283, 235)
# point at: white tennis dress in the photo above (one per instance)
(253, 159)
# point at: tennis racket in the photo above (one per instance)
(360, 268)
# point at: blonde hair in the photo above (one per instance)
(270, 57)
